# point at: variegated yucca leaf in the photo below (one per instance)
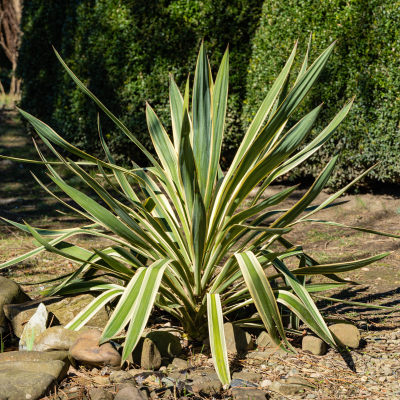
(187, 237)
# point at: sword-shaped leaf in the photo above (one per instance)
(143, 304)
(217, 338)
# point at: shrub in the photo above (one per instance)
(182, 242)
(364, 64)
(123, 51)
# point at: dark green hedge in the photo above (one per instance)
(123, 51)
(365, 64)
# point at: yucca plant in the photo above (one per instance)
(185, 244)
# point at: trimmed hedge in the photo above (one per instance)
(365, 64)
(124, 51)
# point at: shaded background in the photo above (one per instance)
(124, 50)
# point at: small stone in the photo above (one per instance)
(248, 394)
(178, 363)
(242, 383)
(237, 340)
(387, 371)
(18, 385)
(268, 353)
(87, 351)
(382, 379)
(10, 293)
(298, 380)
(146, 355)
(287, 389)
(311, 396)
(35, 326)
(264, 340)
(314, 345)
(120, 377)
(101, 380)
(55, 338)
(100, 394)
(247, 376)
(56, 368)
(208, 388)
(348, 334)
(135, 372)
(129, 393)
(167, 344)
(265, 383)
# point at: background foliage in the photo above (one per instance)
(124, 50)
(365, 64)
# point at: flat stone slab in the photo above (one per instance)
(37, 356)
(56, 368)
(23, 385)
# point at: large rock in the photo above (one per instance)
(10, 293)
(314, 345)
(35, 326)
(18, 385)
(57, 368)
(55, 338)
(168, 344)
(64, 310)
(86, 350)
(237, 340)
(25, 356)
(348, 334)
(146, 354)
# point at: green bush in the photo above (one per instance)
(365, 64)
(124, 51)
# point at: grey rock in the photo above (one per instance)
(311, 396)
(248, 394)
(146, 355)
(237, 340)
(168, 344)
(57, 368)
(242, 383)
(120, 377)
(18, 385)
(10, 293)
(387, 371)
(208, 388)
(264, 340)
(314, 345)
(247, 376)
(63, 308)
(100, 394)
(26, 356)
(178, 363)
(86, 350)
(129, 393)
(348, 334)
(55, 338)
(287, 389)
